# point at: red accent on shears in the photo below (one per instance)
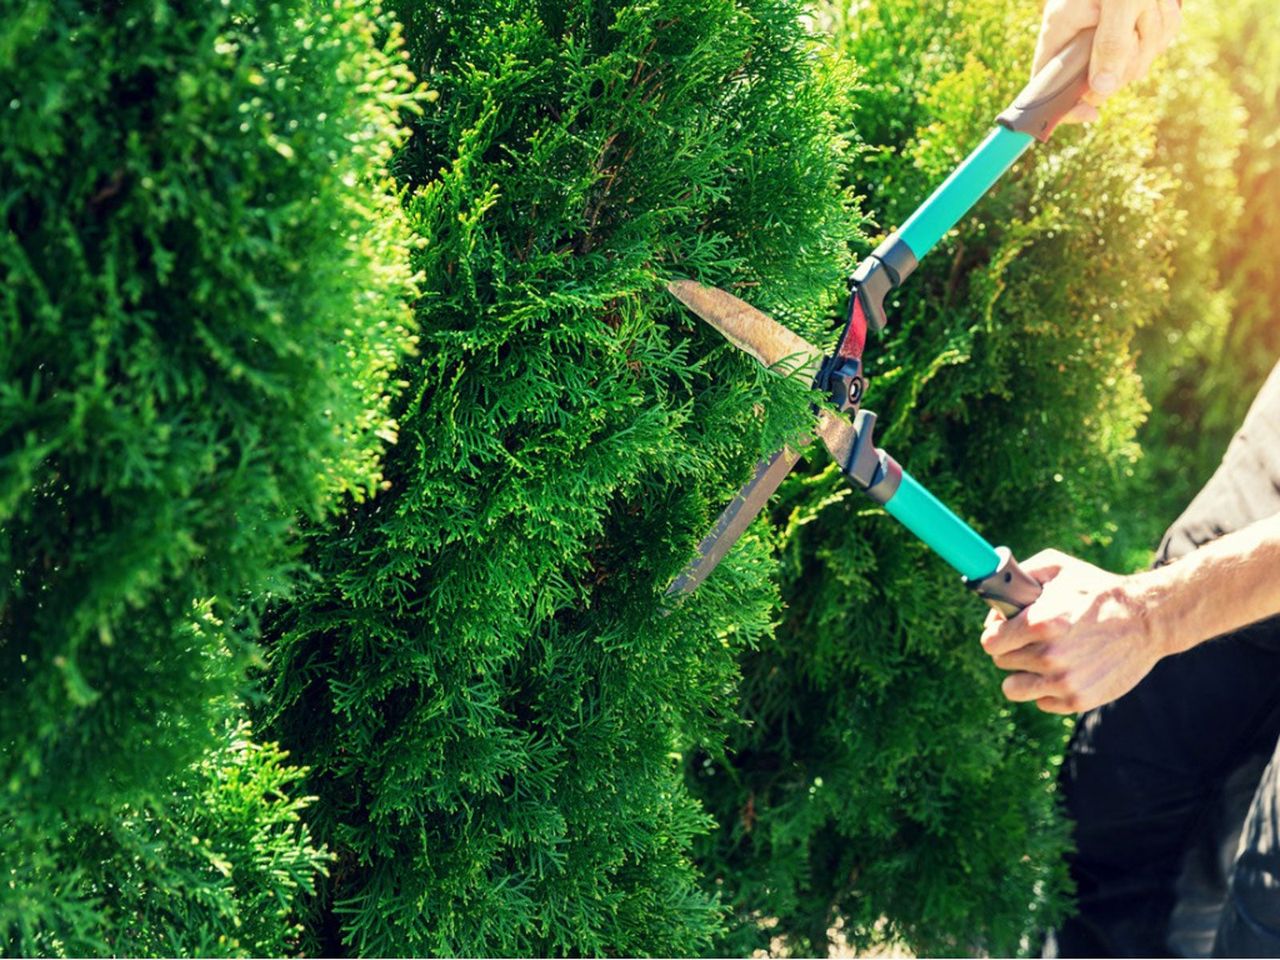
(855, 336)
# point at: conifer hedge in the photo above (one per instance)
(204, 270)
(881, 783)
(482, 681)
(513, 744)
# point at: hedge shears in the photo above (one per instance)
(992, 572)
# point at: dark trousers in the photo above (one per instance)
(1154, 782)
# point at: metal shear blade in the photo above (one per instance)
(782, 351)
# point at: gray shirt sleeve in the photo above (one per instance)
(1244, 488)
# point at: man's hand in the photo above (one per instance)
(1131, 34)
(1092, 635)
(1086, 641)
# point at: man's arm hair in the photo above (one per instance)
(1225, 585)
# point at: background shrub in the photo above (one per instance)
(1205, 360)
(1247, 58)
(202, 303)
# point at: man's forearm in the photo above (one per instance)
(1225, 585)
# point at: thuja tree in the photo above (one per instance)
(214, 870)
(485, 679)
(1217, 100)
(202, 304)
(881, 782)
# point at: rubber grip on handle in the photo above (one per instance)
(1053, 92)
(1010, 588)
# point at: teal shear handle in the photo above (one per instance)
(991, 571)
(950, 537)
(1033, 115)
(957, 195)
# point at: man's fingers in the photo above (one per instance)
(1030, 658)
(1046, 564)
(990, 630)
(1171, 16)
(1157, 29)
(1151, 42)
(1115, 46)
(1082, 113)
(1025, 687)
(1048, 694)
(1131, 34)
(1005, 636)
(1062, 21)
(1048, 556)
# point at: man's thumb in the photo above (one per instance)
(1046, 565)
(1114, 47)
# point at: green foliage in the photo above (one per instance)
(516, 745)
(1219, 110)
(214, 872)
(1200, 129)
(202, 305)
(881, 780)
(1247, 47)
(482, 679)
(1203, 364)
